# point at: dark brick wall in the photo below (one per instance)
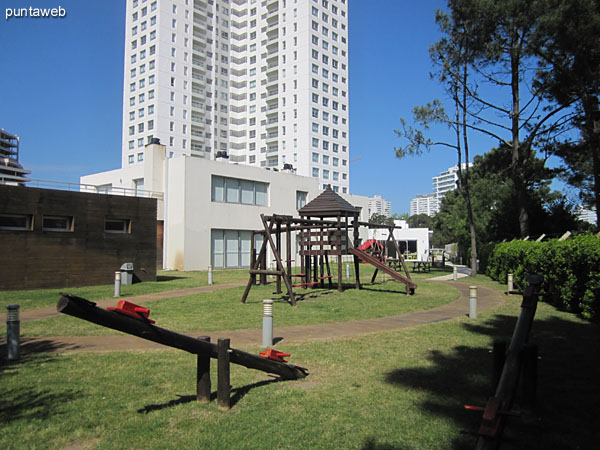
(85, 256)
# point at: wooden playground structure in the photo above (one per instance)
(319, 239)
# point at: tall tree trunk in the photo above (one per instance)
(517, 157)
(467, 192)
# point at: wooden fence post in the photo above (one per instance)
(203, 385)
(223, 374)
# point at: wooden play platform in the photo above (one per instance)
(318, 240)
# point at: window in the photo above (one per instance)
(140, 157)
(325, 159)
(315, 127)
(231, 248)
(301, 199)
(325, 174)
(115, 225)
(130, 159)
(16, 222)
(315, 142)
(315, 172)
(315, 157)
(57, 223)
(232, 190)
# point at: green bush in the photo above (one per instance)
(571, 270)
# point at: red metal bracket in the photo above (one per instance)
(132, 310)
(491, 412)
(274, 355)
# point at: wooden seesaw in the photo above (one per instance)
(133, 319)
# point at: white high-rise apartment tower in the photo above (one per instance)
(263, 82)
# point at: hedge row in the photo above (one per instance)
(571, 270)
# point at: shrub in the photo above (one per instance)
(571, 270)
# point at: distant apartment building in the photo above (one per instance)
(445, 182)
(262, 83)
(11, 171)
(378, 205)
(430, 203)
(424, 204)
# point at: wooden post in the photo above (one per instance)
(301, 251)
(263, 266)
(288, 244)
(321, 249)
(339, 258)
(356, 245)
(499, 354)
(223, 374)
(203, 386)
(278, 245)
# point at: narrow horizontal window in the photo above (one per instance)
(114, 225)
(57, 223)
(16, 222)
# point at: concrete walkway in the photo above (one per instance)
(487, 298)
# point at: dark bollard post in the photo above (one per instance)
(529, 377)
(203, 385)
(499, 353)
(13, 332)
(223, 374)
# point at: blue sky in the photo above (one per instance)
(61, 82)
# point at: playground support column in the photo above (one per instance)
(341, 250)
(203, 385)
(223, 374)
(278, 245)
(356, 245)
(288, 245)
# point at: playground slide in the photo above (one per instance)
(410, 285)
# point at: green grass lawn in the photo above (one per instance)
(222, 310)
(166, 280)
(394, 390)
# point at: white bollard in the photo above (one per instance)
(267, 340)
(118, 283)
(473, 302)
(510, 282)
(455, 273)
(210, 275)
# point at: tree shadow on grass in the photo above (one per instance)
(236, 395)
(30, 402)
(568, 388)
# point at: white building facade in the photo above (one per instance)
(208, 209)
(264, 83)
(377, 205)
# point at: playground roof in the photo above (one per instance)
(328, 204)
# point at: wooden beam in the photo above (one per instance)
(86, 310)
